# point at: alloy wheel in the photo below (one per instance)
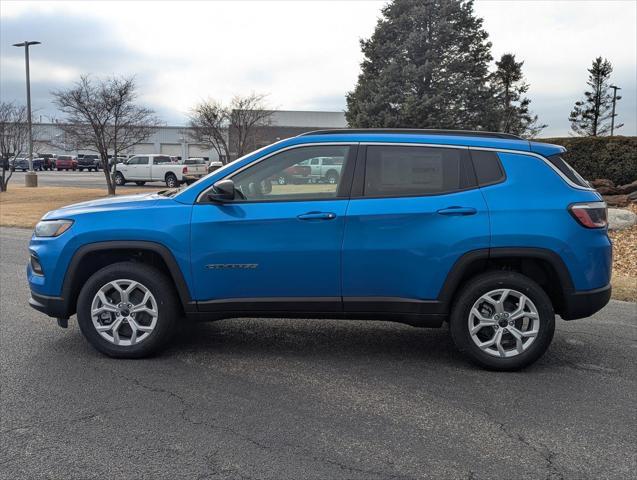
(124, 312)
(503, 323)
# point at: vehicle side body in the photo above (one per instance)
(158, 168)
(352, 255)
(22, 163)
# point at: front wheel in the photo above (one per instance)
(119, 179)
(127, 310)
(332, 178)
(171, 181)
(502, 321)
(282, 180)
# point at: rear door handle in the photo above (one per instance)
(460, 211)
(317, 216)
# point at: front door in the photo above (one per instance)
(416, 212)
(275, 246)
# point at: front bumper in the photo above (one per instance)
(586, 303)
(52, 306)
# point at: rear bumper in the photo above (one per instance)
(584, 304)
(192, 177)
(52, 306)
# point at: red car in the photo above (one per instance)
(66, 162)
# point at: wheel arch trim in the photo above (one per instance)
(469, 259)
(141, 245)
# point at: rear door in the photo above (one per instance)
(156, 171)
(414, 211)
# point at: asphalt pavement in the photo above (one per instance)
(309, 399)
(83, 179)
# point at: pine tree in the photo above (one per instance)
(425, 66)
(512, 113)
(591, 117)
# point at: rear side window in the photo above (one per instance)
(570, 173)
(162, 159)
(394, 171)
(487, 167)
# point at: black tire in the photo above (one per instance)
(119, 179)
(282, 180)
(141, 184)
(332, 177)
(159, 286)
(171, 180)
(482, 284)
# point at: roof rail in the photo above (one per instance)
(415, 131)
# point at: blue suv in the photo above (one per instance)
(488, 232)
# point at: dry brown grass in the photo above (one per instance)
(625, 262)
(23, 207)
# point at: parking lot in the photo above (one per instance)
(283, 399)
(75, 179)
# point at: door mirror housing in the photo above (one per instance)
(224, 191)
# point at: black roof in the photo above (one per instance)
(415, 131)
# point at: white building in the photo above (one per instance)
(172, 140)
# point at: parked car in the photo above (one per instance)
(89, 162)
(491, 233)
(66, 162)
(21, 163)
(214, 165)
(301, 173)
(48, 160)
(325, 169)
(157, 168)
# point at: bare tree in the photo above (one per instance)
(101, 116)
(14, 134)
(231, 130)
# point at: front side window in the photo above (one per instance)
(288, 175)
(394, 171)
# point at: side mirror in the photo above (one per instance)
(223, 191)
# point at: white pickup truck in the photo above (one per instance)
(157, 168)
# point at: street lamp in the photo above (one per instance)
(31, 178)
(612, 117)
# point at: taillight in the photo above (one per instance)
(590, 215)
(184, 170)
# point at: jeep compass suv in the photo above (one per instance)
(488, 232)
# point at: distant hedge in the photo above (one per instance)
(614, 158)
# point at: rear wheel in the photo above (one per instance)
(127, 310)
(502, 321)
(332, 177)
(171, 180)
(119, 179)
(282, 180)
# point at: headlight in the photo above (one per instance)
(52, 228)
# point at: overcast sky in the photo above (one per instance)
(305, 55)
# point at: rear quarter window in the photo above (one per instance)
(568, 171)
(487, 167)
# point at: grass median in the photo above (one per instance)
(23, 207)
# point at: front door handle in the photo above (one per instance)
(317, 216)
(460, 211)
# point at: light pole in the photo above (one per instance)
(612, 118)
(31, 178)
